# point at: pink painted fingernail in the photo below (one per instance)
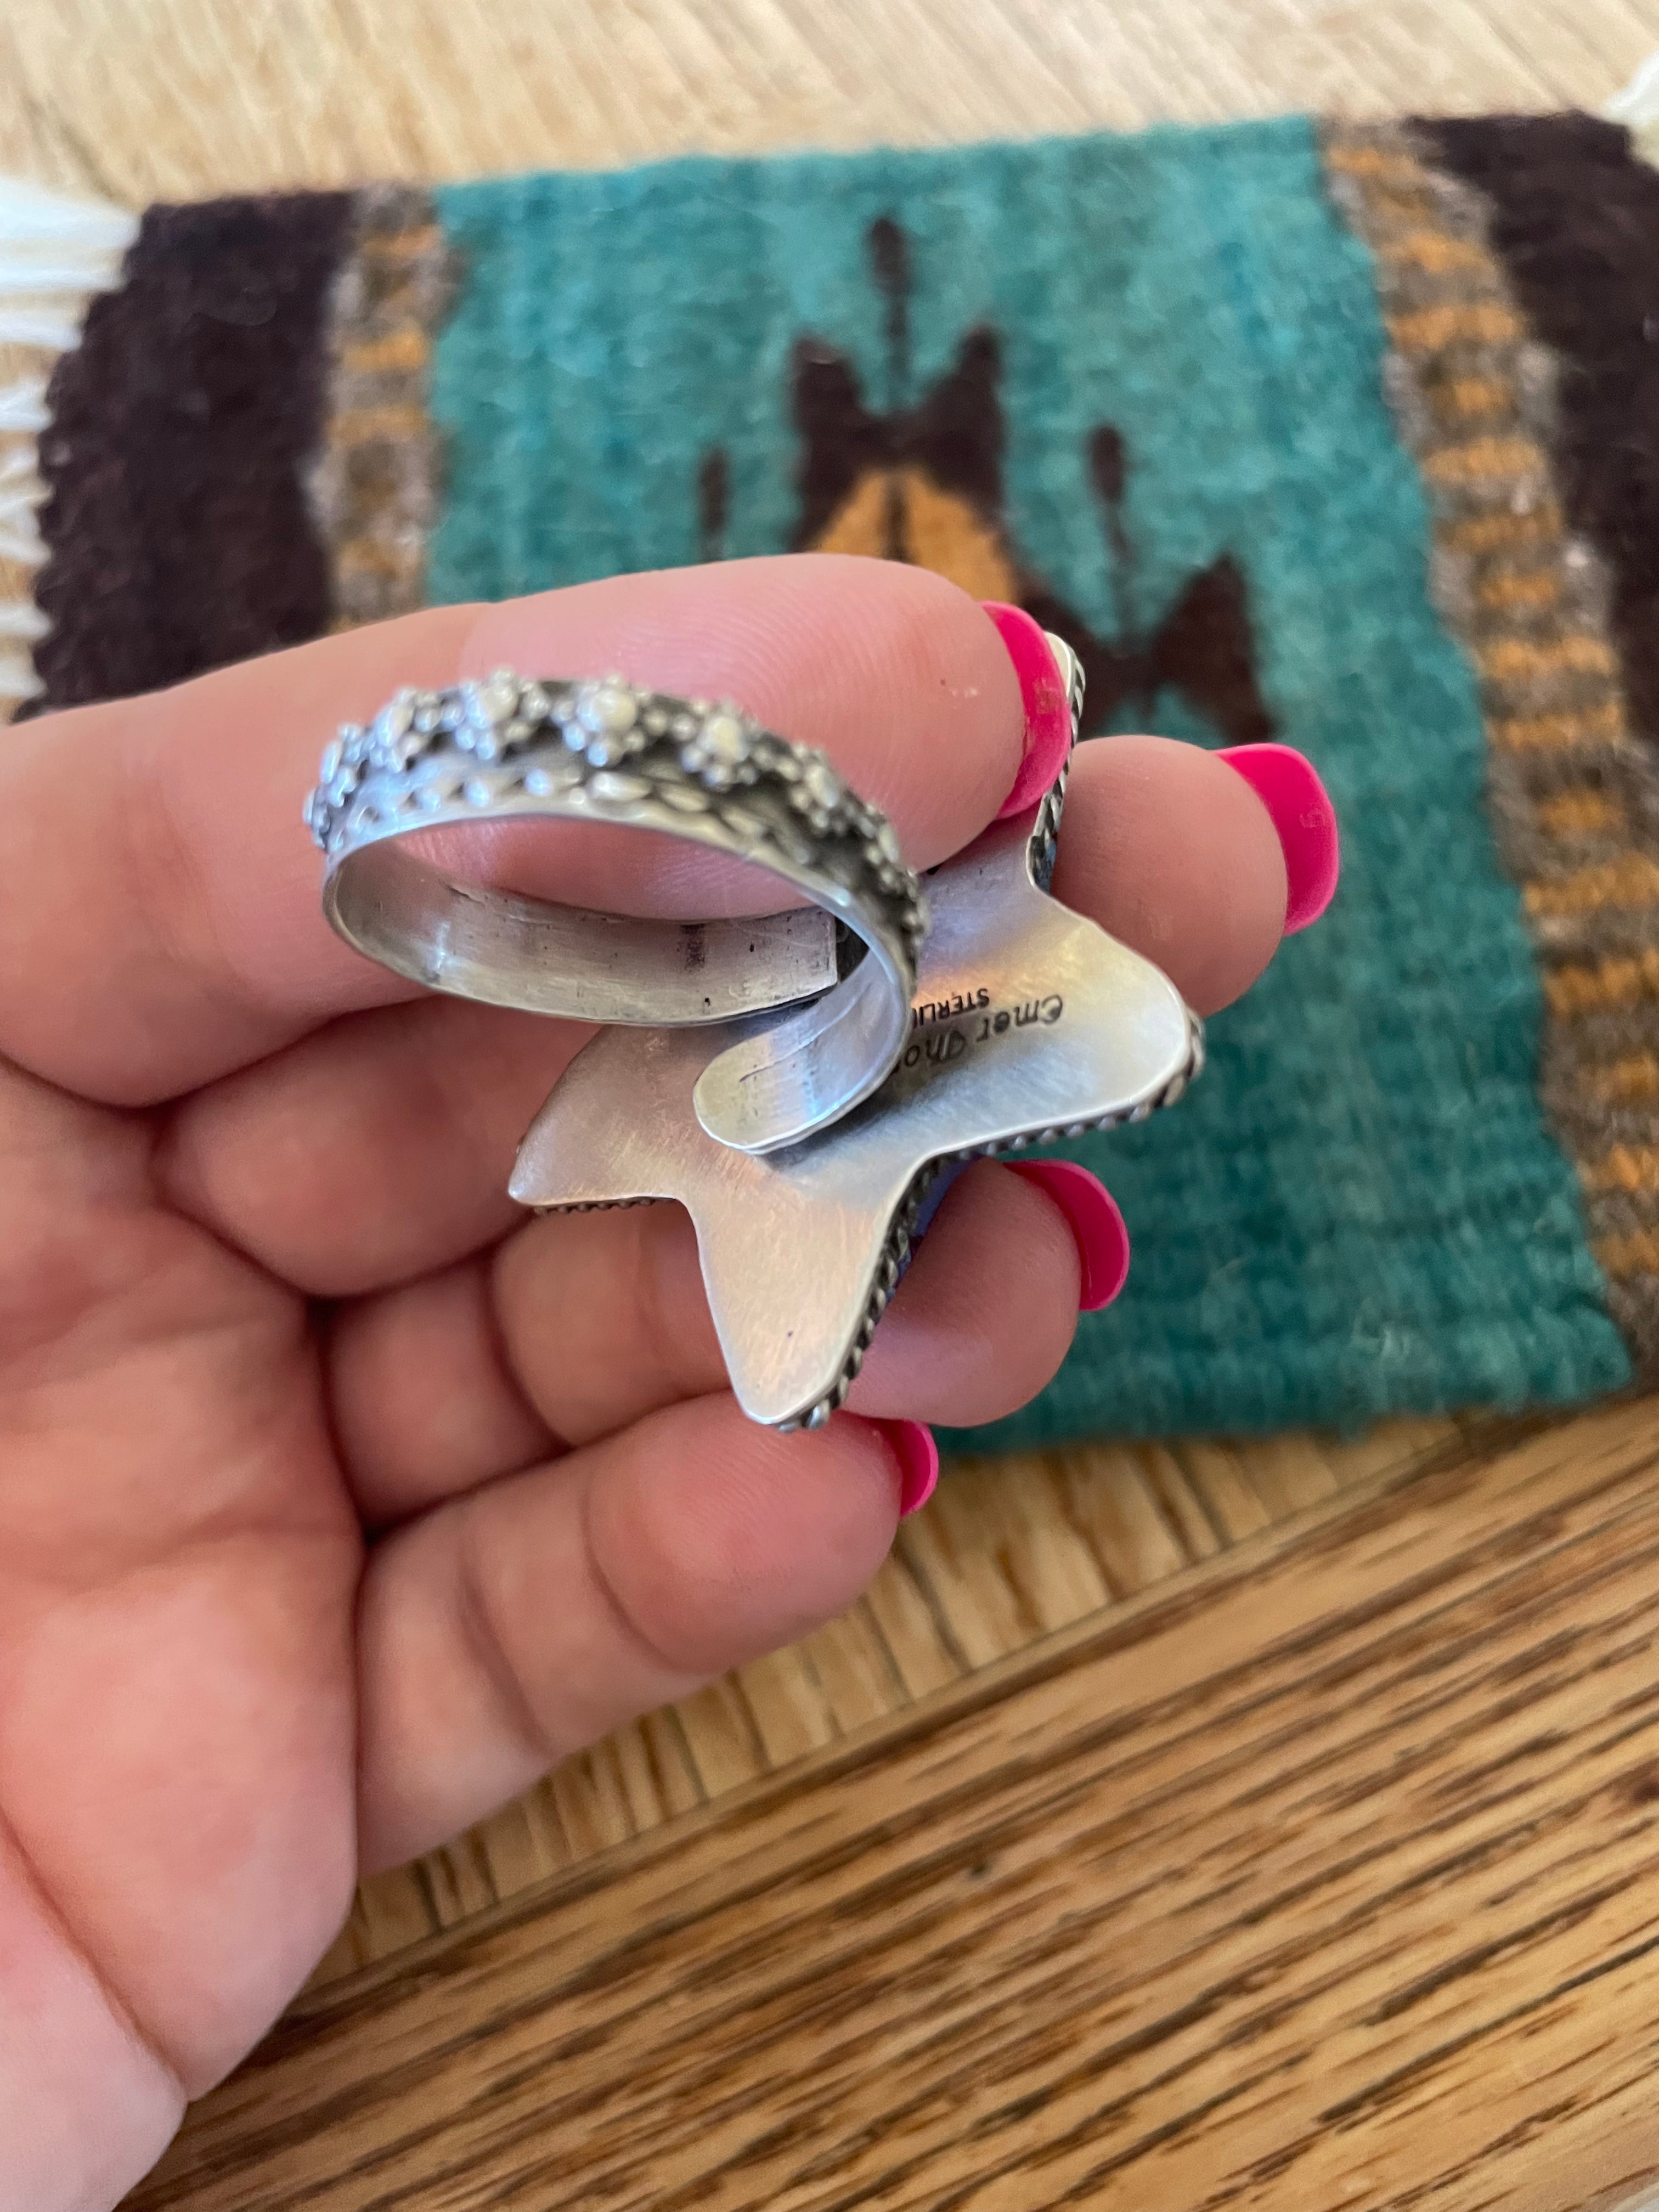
(1048, 710)
(1091, 1211)
(917, 1458)
(1288, 786)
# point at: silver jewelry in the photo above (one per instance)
(1029, 1023)
(510, 748)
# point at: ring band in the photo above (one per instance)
(507, 748)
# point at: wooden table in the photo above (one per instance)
(1190, 1825)
(1322, 1873)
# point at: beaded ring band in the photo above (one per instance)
(509, 748)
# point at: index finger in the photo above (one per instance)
(161, 923)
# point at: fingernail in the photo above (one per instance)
(1287, 785)
(1097, 1225)
(1048, 710)
(917, 1458)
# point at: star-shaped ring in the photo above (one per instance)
(1029, 1022)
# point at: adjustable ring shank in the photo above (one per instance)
(506, 749)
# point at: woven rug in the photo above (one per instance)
(1344, 436)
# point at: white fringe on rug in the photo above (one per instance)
(54, 254)
(1637, 108)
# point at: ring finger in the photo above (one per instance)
(1162, 845)
(583, 1323)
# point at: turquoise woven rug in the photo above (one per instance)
(1296, 432)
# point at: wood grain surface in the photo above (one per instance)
(1325, 1873)
(1009, 1551)
(1266, 1824)
(146, 99)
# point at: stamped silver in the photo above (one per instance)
(510, 748)
(1029, 1022)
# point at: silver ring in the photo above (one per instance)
(510, 748)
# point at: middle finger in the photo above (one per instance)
(423, 1106)
(583, 1323)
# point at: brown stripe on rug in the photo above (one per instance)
(1573, 215)
(178, 531)
(56, 252)
(1482, 405)
(374, 483)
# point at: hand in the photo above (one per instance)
(263, 1299)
